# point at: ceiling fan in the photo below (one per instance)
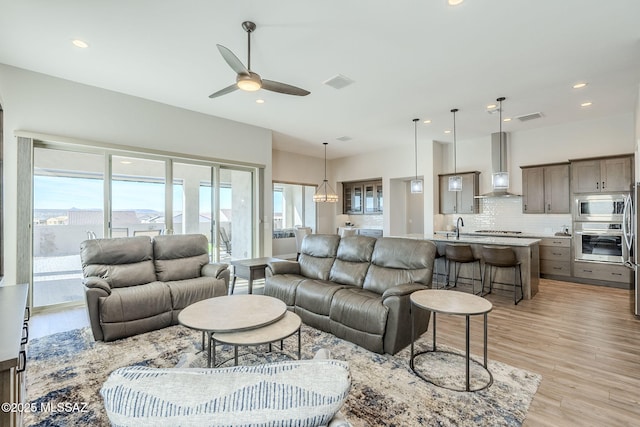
(248, 80)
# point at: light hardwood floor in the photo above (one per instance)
(583, 340)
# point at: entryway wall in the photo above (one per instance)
(406, 209)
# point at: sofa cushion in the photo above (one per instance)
(317, 254)
(300, 393)
(396, 261)
(316, 295)
(181, 268)
(186, 292)
(352, 260)
(283, 287)
(359, 309)
(120, 262)
(180, 257)
(135, 302)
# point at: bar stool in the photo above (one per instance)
(439, 255)
(502, 257)
(462, 254)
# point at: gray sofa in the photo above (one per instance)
(136, 284)
(357, 287)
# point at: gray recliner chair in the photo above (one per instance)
(136, 284)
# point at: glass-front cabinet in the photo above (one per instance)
(362, 197)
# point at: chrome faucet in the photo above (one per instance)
(459, 223)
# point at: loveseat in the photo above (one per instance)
(138, 284)
(356, 287)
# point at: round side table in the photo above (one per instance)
(453, 303)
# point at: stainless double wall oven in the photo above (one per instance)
(598, 229)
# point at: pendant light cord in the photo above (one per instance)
(415, 129)
(455, 154)
(325, 163)
(502, 98)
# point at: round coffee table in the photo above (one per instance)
(231, 313)
(455, 303)
(277, 331)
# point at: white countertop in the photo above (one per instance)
(477, 239)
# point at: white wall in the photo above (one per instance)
(40, 103)
(601, 137)
(397, 164)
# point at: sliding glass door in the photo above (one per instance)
(68, 208)
(91, 195)
(236, 215)
(137, 197)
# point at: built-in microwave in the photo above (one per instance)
(599, 241)
(599, 207)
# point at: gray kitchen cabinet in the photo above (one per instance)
(460, 202)
(362, 197)
(602, 174)
(533, 190)
(555, 256)
(598, 271)
(545, 189)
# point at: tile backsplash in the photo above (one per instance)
(505, 213)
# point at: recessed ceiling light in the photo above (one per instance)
(454, 2)
(447, 131)
(508, 119)
(426, 122)
(125, 162)
(491, 106)
(579, 85)
(586, 104)
(79, 43)
(259, 101)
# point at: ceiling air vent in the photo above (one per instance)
(338, 82)
(344, 138)
(530, 116)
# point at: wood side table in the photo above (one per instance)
(250, 269)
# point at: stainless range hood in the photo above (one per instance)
(497, 165)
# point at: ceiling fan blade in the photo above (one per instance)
(283, 88)
(224, 91)
(232, 60)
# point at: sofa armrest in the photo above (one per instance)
(404, 289)
(213, 269)
(283, 267)
(97, 282)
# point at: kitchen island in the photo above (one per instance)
(527, 252)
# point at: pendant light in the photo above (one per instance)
(416, 184)
(500, 180)
(455, 182)
(324, 193)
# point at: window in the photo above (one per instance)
(84, 193)
(293, 206)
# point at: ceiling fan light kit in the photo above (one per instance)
(249, 83)
(246, 79)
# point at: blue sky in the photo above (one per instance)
(52, 192)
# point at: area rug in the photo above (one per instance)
(65, 372)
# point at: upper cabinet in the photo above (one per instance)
(545, 189)
(602, 175)
(460, 202)
(363, 197)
